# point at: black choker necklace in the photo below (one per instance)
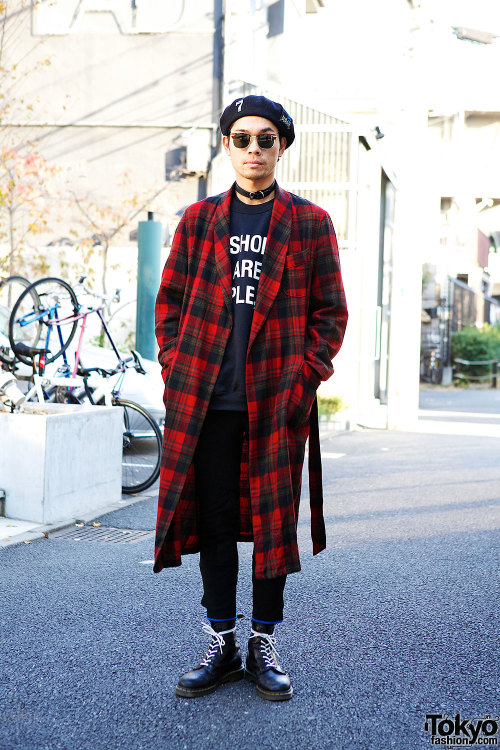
(258, 194)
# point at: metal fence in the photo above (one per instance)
(468, 307)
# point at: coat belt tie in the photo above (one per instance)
(318, 532)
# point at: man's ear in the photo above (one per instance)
(225, 143)
(282, 146)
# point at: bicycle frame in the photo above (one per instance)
(83, 316)
(100, 386)
(53, 320)
(103, 389)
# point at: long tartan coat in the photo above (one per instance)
(298, 324)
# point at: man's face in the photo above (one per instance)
(254, 166)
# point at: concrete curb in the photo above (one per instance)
(328, 429)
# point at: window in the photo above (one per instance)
(276, 18)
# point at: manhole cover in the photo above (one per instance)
(105, 534)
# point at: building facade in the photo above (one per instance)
(106, 86)
(140, 87)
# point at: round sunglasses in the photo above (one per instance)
(242, 140)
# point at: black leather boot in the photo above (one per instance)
(222, 663)
(262, 666)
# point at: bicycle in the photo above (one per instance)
(142, 438)
(57, 310)
(431, 366)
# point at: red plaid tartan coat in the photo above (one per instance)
(298, 325)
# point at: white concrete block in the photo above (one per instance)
(60, 461)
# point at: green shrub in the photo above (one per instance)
(330, 405)
(493, 335)
(474, 345)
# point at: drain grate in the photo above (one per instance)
(104, 534)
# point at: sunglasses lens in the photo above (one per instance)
(265, 141)
(241, 141)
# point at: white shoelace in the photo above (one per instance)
(217, 642)
(267, 647)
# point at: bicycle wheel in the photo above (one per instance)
(142, 442)
(11, 289)
(47, 319)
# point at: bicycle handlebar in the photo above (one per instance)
(85, 372)
(102, 297)
(122, 364)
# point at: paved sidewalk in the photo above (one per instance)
(481, 403)
(460, 412)
(11, 529)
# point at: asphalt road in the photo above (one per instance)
(395, 620)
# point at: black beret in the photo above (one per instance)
(262, 107)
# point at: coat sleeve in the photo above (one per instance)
(326, 322)
(170, 297)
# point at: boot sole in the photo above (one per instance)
(182, 692)
(268, 695)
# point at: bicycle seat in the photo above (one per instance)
(28, 351)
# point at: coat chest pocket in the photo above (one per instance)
(295, 274)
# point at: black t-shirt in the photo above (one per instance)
(249, 226)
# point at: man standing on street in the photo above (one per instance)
(250, 313)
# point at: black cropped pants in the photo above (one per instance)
(217, 469)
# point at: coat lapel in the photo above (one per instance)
(274, 259)
(221, 247)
